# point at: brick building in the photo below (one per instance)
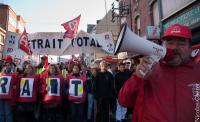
(162, 13)
(2, 38)
(9, 20)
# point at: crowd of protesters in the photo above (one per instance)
(80, 94)
(75, 92)
(94, 101)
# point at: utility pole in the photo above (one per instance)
(123, 11)
(130, 11)
(160, 15)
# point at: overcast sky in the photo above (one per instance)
(48, 15)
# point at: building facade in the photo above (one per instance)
(162, 14)
(104, 25)
(185, 12)
(9, 20)
(2, 39)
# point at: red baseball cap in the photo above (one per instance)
(8, 58)
(178, 30)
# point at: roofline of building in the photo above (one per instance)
(12, 11)
(8, 7)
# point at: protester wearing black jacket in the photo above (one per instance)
(120, 79)
(104, 89)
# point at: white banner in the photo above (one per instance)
(11, 43)
(52, 43)
(89, 43)
(48, 43)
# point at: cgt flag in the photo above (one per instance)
(71, 27)
(74, 58)
(24, 43)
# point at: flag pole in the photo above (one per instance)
(39, 57)
(59, 58)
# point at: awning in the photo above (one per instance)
(112, 60)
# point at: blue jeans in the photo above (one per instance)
(6, 114)
(90, 106)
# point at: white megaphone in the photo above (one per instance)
(130, 42)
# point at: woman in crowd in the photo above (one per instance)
(76, 94)
(52, 96)
(90, 95)
(7, 94)
(27, 101)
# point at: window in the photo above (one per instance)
(1, 55)
(13, 21)
(20, 27)
(1, 48)
(155, 14)
(138, 27)
(169, 6)
(1, 39)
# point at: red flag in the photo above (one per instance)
(24, 43)
(74, 58)
(71, 27)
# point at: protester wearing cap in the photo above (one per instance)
(8, 58)
(170, 90)
(43, 65)
(8, 65)
(8, 92)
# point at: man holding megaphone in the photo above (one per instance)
(170, 91)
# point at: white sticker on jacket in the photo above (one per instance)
(5, 85)
(26, 87)
(196, 98)
(53, 86)
(76, 88)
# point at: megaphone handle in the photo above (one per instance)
(144, 73)
(154, 59)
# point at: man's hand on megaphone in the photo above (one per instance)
(145, 67)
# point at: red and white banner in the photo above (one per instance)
(71, 27)
(11, 48)
(24, 43)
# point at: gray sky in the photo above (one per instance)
(48, 15)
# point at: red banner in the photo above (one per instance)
(71, 27)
